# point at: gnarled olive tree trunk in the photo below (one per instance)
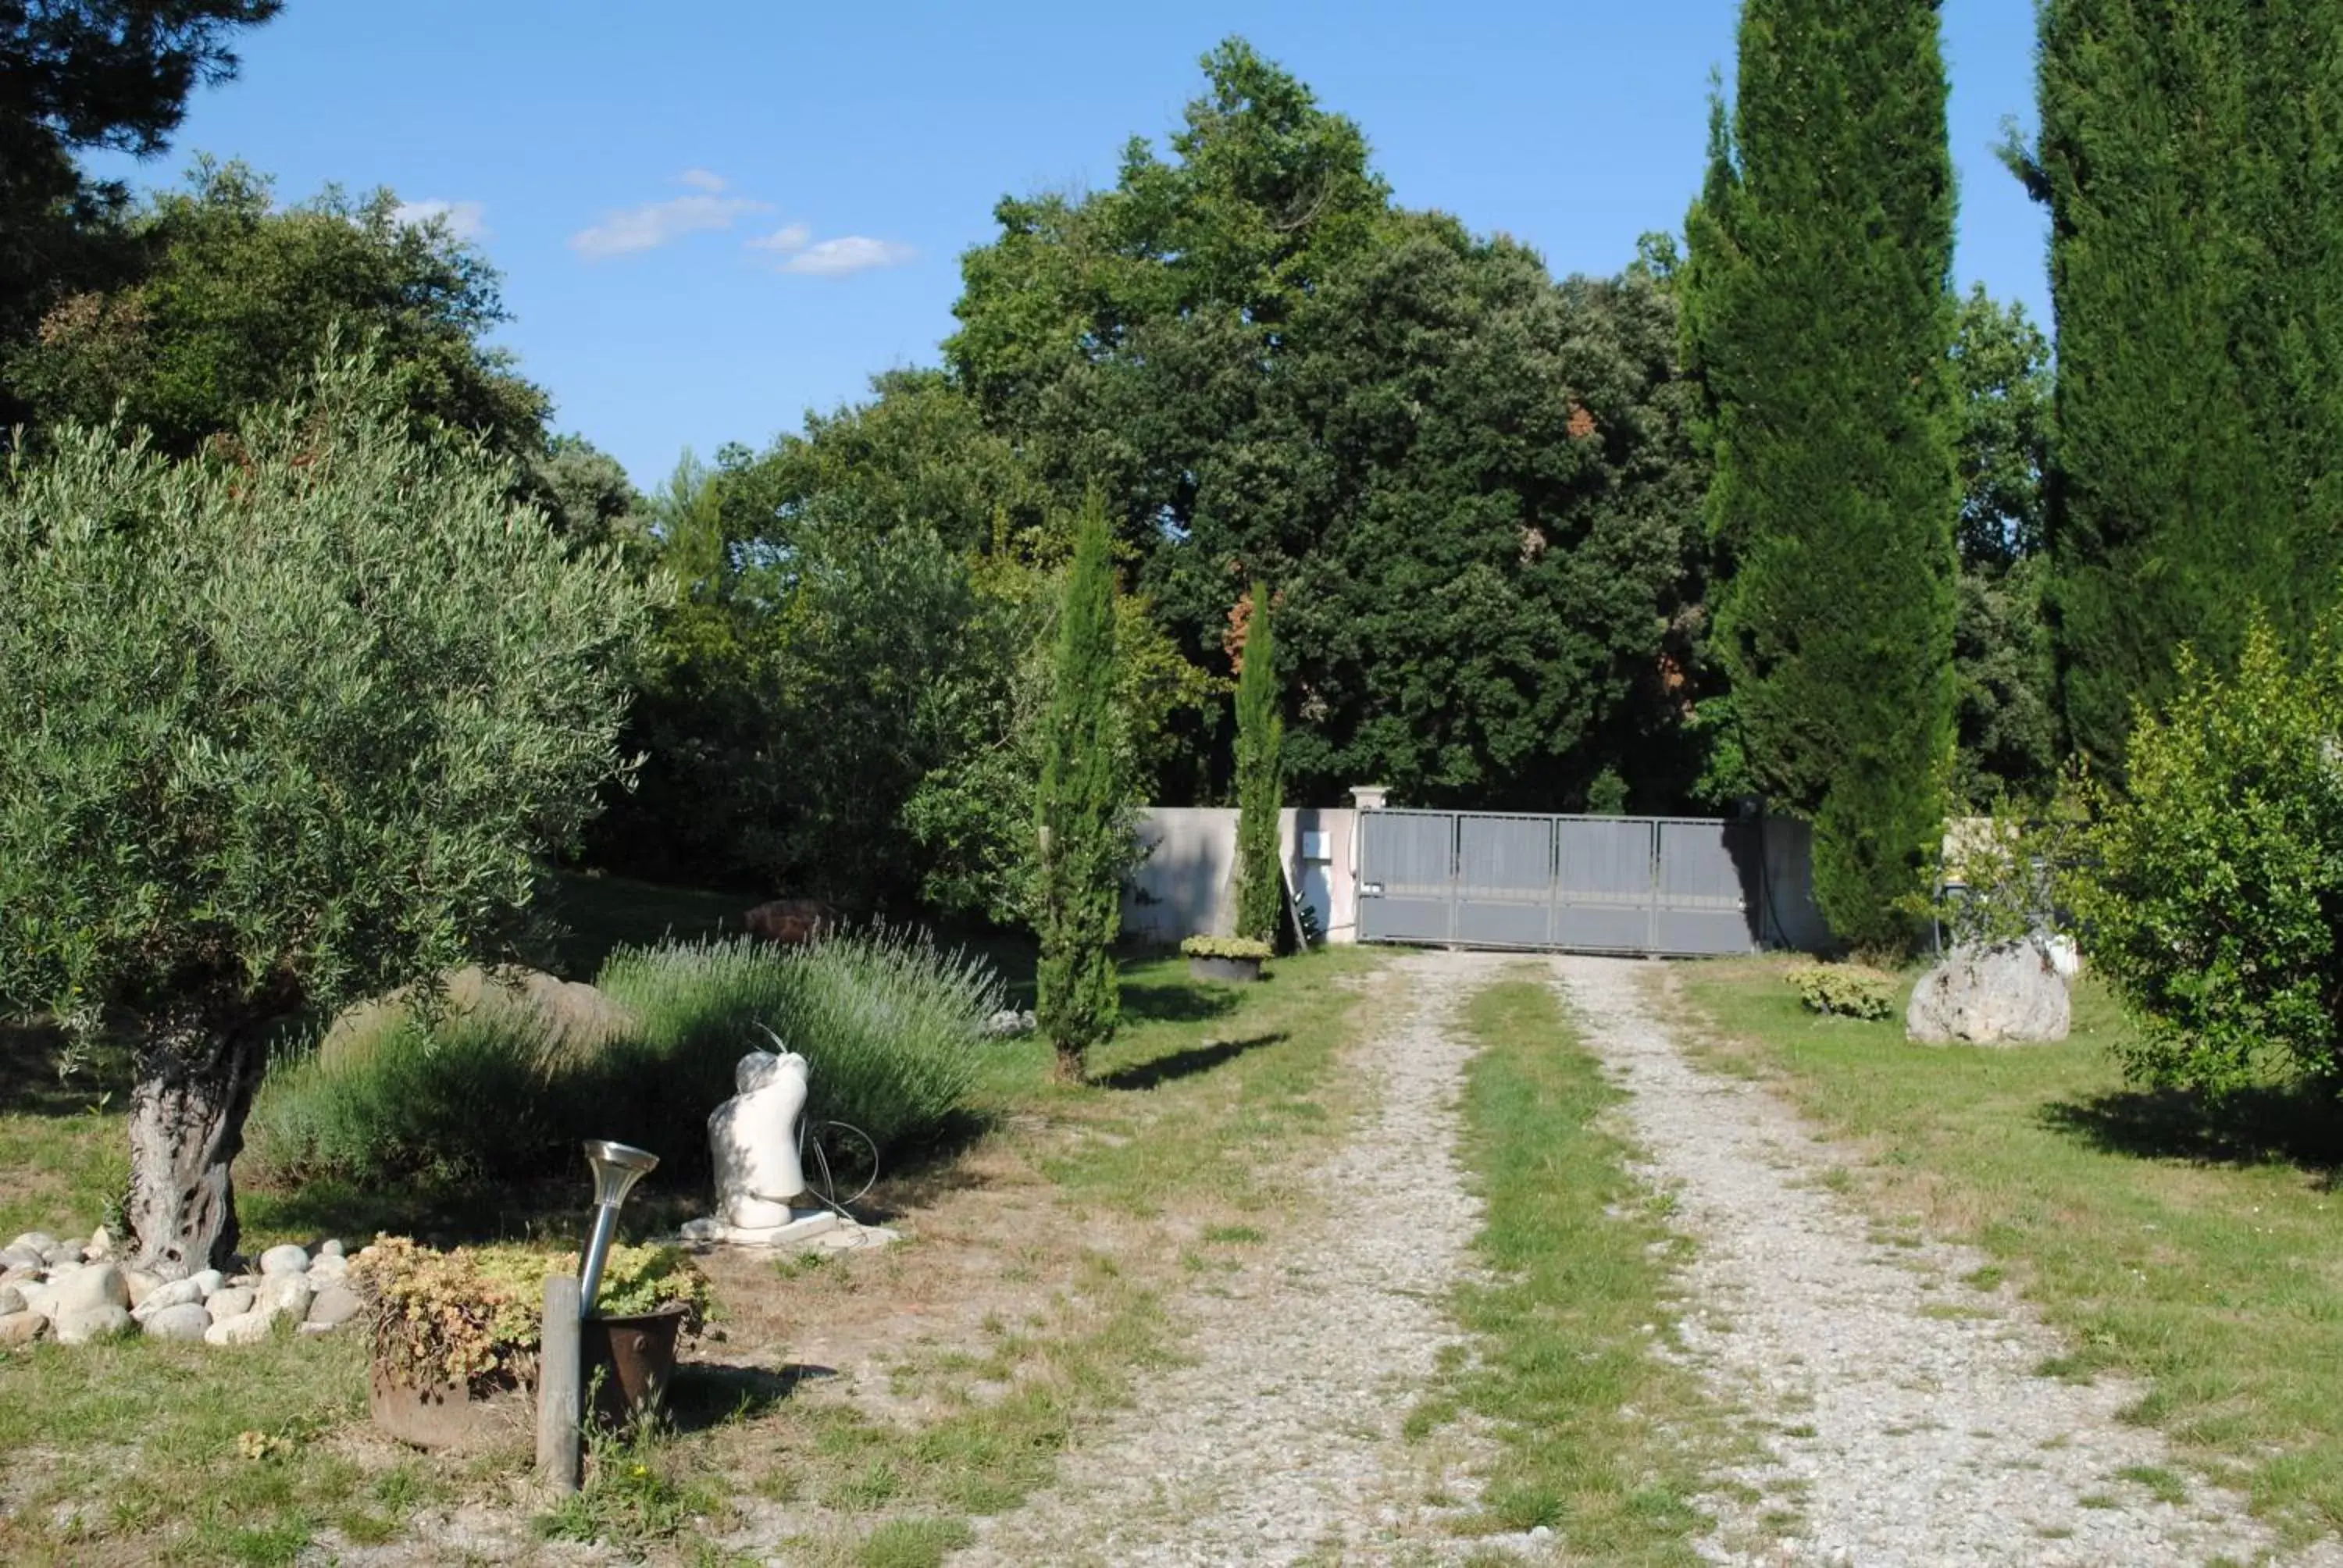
(197, 1076)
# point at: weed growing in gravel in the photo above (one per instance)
(2162, 1484)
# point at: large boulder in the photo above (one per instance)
(231, 1301)
(576, 1016)
(789, 921)
(2003, 994)
(284, 1260)
(334, 1306)
(245, 1329)
(22, 1328)
(164, 1297)
(285, 1296)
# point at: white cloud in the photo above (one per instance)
(852, 253)
(465, 219)
(657, 223)
(792, 237)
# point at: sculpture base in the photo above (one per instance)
(803, 1225)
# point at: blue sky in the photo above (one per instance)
(714, 214)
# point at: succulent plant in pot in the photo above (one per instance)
(457, 1333)
(1232, 958)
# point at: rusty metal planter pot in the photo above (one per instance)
(629, 1362)
(1232, 971)
(449, 1415)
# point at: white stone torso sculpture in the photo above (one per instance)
(754, 1139)
(761, 1199)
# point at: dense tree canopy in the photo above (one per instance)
(1523, 556)
(2001, 646)
(1821, 325)
(1473, 485)
(231, 297)
(79, 75)
(1260, 768)
(1080, 823)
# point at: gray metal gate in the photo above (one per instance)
(1682, 885)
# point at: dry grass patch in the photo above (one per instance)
(854, 1411)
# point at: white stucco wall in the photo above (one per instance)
(1186, 885)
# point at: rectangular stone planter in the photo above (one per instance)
(1227, 972)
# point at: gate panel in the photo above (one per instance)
(1504, 876)
(1591, 884)
(1407, 877)
(1602, 883)
(1707, 889)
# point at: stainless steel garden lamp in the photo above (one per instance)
(616, 1167)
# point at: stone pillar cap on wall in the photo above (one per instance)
(1370, 796)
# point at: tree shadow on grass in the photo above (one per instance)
(558, 1208)
(31, 1085)
(556, 1211)
(1180, 1002)
(917, 1176)
(2298, 1126)
(1178, 1064)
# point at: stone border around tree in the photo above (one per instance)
(77, 1293)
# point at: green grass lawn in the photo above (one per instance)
(1170, 1161)
(2194, 1251)
(1605, 1441)
(597, 914)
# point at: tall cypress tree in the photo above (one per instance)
(1819, 319)
(2196, 196)
(1261, 738)
(1082, 835)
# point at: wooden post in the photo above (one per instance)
(559, 1373)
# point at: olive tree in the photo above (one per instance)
(292, 721)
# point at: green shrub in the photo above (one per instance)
(890, 1025)
(2211, 888)
(2004, 871)
(467, 1098)
(1845, 990)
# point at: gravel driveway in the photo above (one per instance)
(1907, 1424)
(1902, 1420)
(1281, 1441)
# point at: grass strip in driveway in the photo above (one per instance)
(2190, 1248)
(1604, 1441)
